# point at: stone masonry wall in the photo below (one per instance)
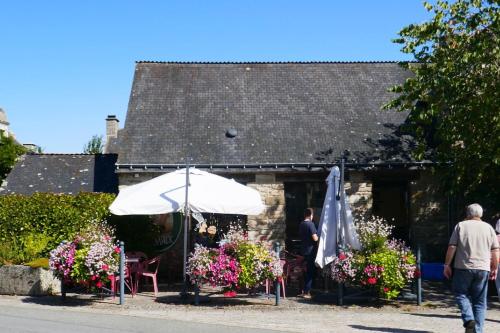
(359, 191)
(270, 225)
(429, 216)
(24, 280)
(127, 179)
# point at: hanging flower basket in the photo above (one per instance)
(237, 263)
(89, 259)
(384, 265)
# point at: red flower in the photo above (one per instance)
(117, 249)
(93, 277)
(386, 290)
(230, 293)
(105, 267)
(98, 284)
(342, 256)
(371, 280)
(417, 273)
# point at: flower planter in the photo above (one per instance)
(24, 280)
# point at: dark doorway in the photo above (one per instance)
(298, 197)
(390, 201)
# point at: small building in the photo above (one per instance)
(62, 173)
(280, 127)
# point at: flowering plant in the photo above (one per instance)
(344, 267)
(62, 259)
(224, 270)
(90, 258)
(384, 264)
(237, 263)
(198, 265)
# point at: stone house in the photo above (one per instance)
(280, 127)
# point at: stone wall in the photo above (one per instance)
(24, 280)
(359, 191)
(127, 179)
(429, 216)
(270, 225)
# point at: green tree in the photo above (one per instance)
(10, 150)
(94, 146)
(454, 95)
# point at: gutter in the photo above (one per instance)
(146, 167)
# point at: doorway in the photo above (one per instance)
(298, 197)
(390, 201)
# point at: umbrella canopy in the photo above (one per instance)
(208, 193)
(336, 226)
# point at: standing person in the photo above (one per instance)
(497, 281)
(309, 237)
(475, 247)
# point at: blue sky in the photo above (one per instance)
(66, 65)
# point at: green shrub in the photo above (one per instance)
(33, 245)
(10, 253)
(31, 226)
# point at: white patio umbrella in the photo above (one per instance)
(336, 225)
(181, 191)
(208, 193)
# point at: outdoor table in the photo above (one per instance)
(134, 267)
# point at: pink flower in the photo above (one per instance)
(105, 267)
(117, 249)
(94, 277)
(98, 284)
(342, 256)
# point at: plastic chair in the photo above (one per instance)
(284, 266)
(151, 274)
(116, 278)
(295, 269)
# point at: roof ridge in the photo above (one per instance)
(68, 154)
(270, 62)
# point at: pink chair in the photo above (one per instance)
(145, 272)
(116, 278)
(283, 264)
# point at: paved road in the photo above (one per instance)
(50, 320)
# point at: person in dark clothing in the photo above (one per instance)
(309, 236)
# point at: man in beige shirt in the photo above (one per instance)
(475, 247)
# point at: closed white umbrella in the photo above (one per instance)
(208, 193)
(336, 223)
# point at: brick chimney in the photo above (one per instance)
(111, 127)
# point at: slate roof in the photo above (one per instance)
(282, 113)
(62, 173)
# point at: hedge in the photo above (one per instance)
(39, 222)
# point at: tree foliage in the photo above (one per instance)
(10, 150)
(454, 95)
(94, 146)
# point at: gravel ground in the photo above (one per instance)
(437, 314)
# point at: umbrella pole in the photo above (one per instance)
(186, 222)
(340, 238)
